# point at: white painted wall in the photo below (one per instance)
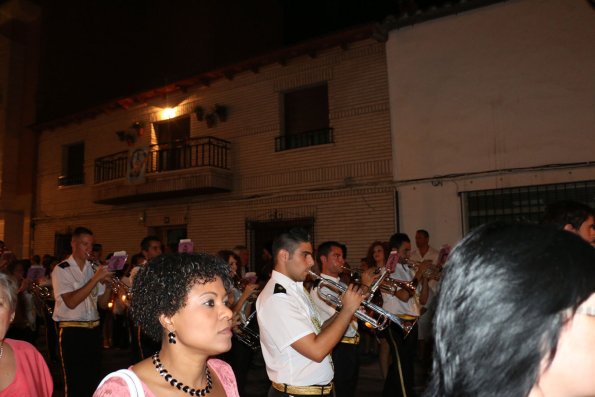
(505, 86)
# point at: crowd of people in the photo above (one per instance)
(509, 312)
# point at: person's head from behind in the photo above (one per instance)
(377, 253)
(81, 243)
(185, 294)
(573, 217)
(150, 247)
(293, 254)
(8, 302)
(507, 323)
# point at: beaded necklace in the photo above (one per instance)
(179, 385)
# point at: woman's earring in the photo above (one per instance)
(172, 337)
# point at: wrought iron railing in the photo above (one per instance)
(303, 139)
(190, 153)
(70, 180)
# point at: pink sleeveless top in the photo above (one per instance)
(32, 378)
(117, 386)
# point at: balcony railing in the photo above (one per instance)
(303, 139)
(70, 180)
(191, 153)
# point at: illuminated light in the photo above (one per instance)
(123, 298)
(169, 113)
(367, 324)
(110, 304)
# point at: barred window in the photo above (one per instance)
(520, 204)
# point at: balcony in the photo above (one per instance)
(309, 138)
(194, 166)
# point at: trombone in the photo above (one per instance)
(384, 317)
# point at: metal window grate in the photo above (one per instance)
(520, 204)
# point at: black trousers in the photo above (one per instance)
(80, 349)
(401, 378)
(346, 363)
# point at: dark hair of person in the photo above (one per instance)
(290, 241)
(424, 232)
(370, 254)
(36, 259)
(80, 230)
(325, 248)
(506, 293)
(97, 247)
(163, 285)
(146, 242)
(397, 240)
(562, 213)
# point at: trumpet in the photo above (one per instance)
(115, 284)
(42, 294)
(384, 317)
(245, 334)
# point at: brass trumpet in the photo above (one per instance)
(384, 317)
(245, 334)
(115, 284)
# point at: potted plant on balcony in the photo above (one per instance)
(199, 112)
(127, 136)
(221, 112)
(211, 119)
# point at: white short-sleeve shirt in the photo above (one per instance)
(325, 310)
(285, 315)
(394, 304)
(68, 277)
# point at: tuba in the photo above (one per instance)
(245, 333)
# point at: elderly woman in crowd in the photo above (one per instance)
(515, 315)
(23, 371)
(181, 301)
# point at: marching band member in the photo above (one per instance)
(330, 256)
(295, 346)
(405, 304)
(77, 290)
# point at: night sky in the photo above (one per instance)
(95, 51)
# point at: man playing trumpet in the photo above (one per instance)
(295, 345)
(330, 257)
(77, 290)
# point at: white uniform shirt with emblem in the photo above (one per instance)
(325, 310)
(284, 318)
(70, 278)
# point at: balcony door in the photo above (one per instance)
(172, 136)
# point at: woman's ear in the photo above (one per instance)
(166, 322)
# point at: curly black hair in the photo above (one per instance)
(162, 286)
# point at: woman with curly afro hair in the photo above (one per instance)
(181, 301)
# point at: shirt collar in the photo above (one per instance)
(286, 281)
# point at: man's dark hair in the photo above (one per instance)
(562, 213)
(397, 240)
(146, 242)
(290, 241)
(97, 247)
(79, 231)
(325, 248)
(506, 293)
(424, 232)
(162, 286)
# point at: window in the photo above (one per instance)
(73, 162)
(305, 118)
(521, 204)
